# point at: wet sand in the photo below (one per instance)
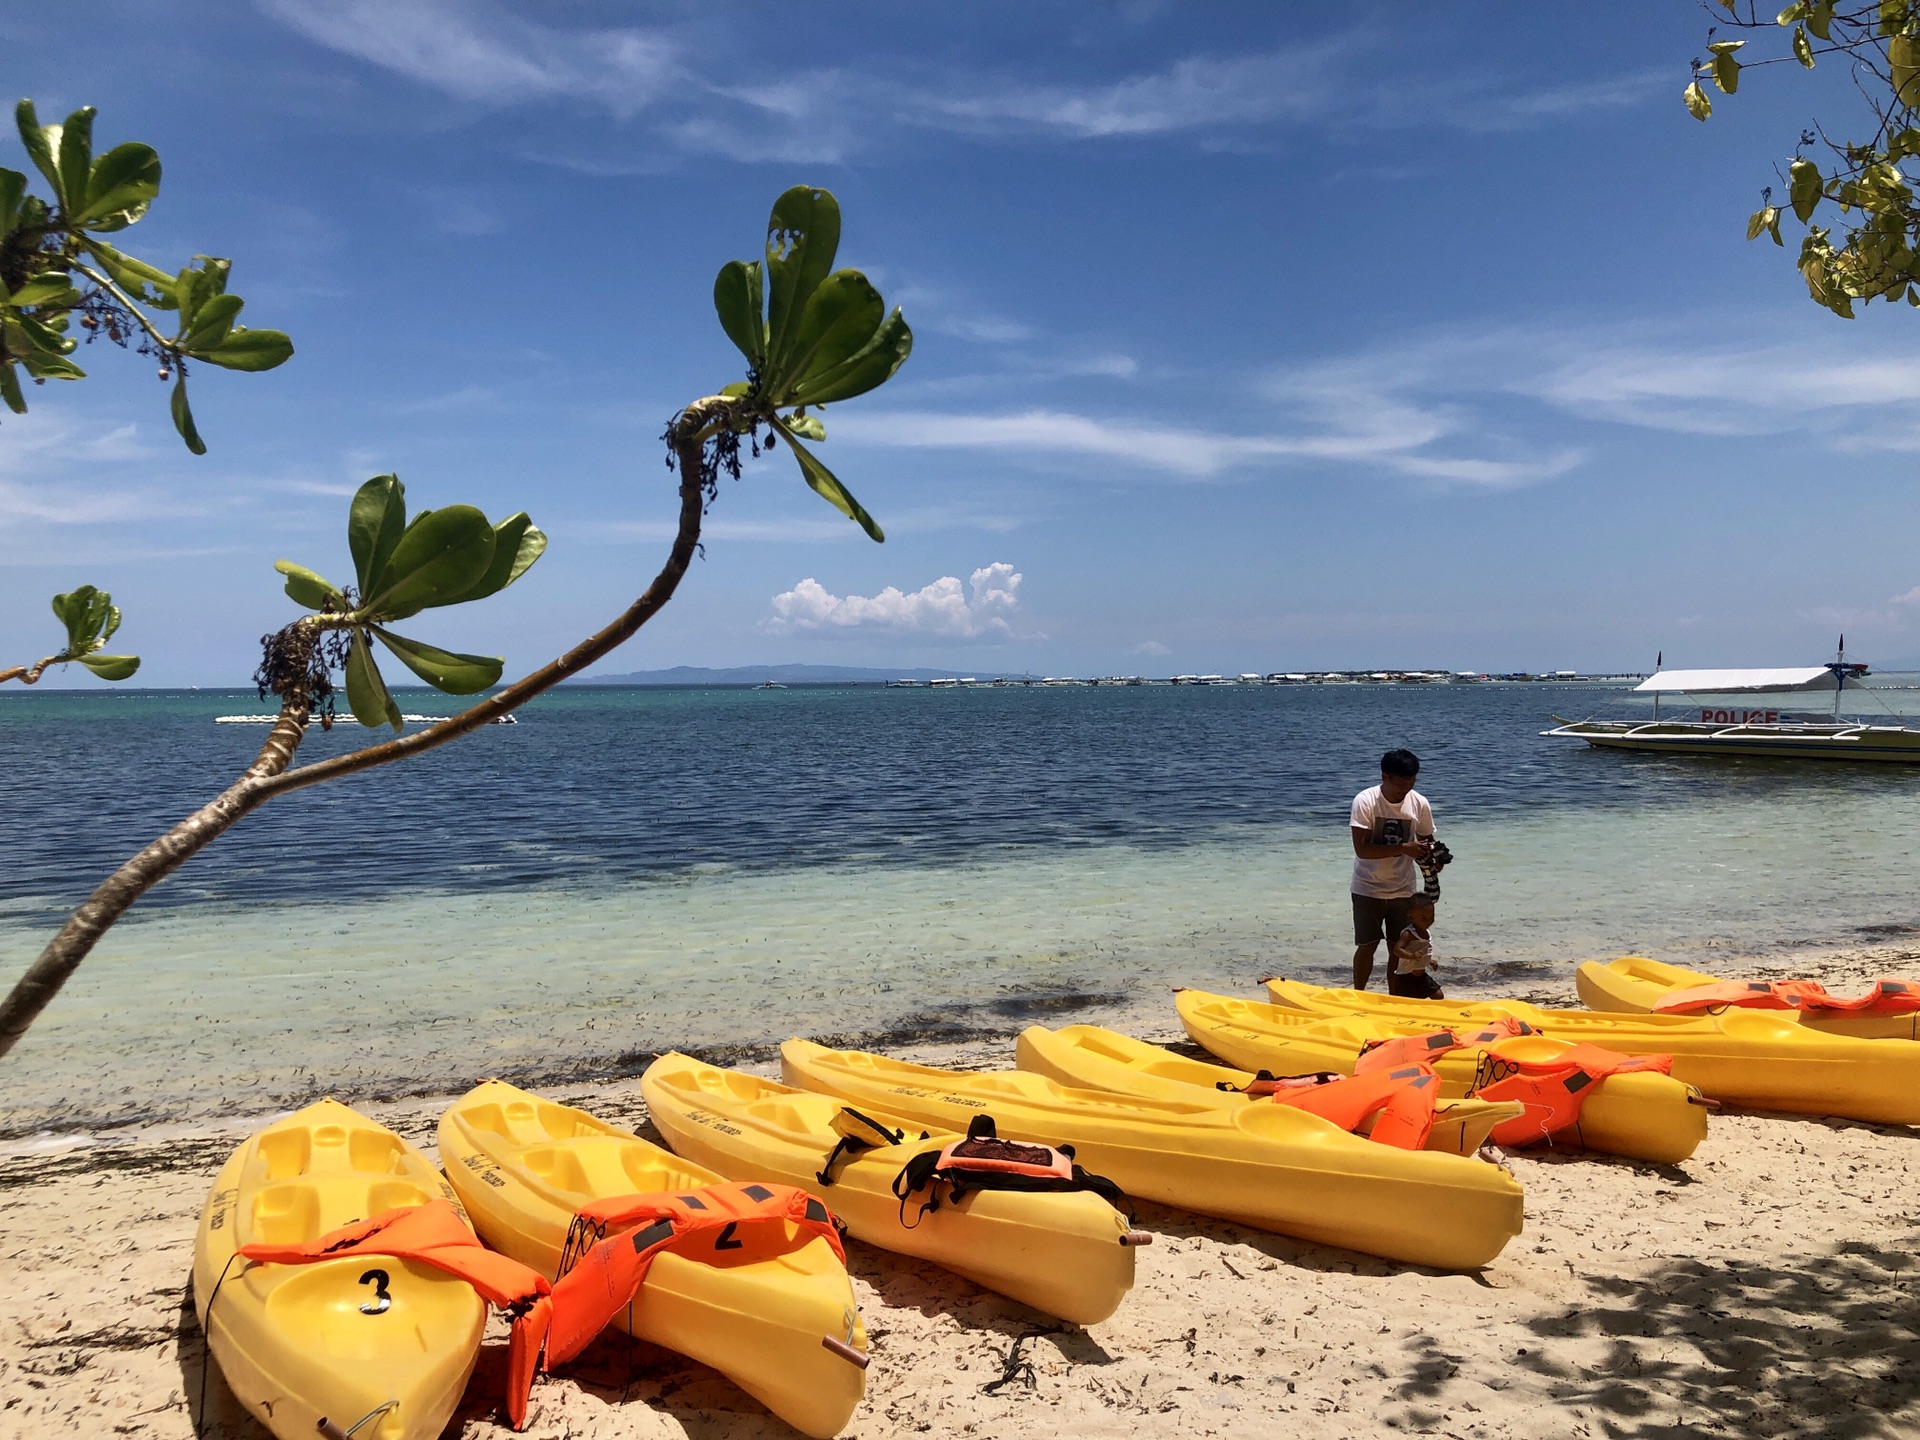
(1761, 1289)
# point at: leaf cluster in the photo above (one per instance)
(1873, 248)
(401, 567)
(90, 618)
(55, 267)
(812, 336)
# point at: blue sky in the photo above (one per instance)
(1248, 337)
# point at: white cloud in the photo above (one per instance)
(941, 609)
(486, 53)
(1384, 434)
(491, 56)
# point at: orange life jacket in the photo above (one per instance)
(1886, 997)
(1553, 1091)
(436, 1234)
(613, 1243)
(1401, 1100)
(1425, 1049)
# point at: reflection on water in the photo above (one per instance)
(627, 872)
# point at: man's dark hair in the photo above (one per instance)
(1400, 762)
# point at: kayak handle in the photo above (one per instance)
(1134, 1239)
(331, 1431)
(846, 1352)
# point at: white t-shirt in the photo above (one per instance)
(1415, 953)
(1412, 819)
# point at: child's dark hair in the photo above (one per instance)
(1419, 900)
(1400, 762)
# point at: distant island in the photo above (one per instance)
(760, 674)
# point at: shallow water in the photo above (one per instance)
(627, 871)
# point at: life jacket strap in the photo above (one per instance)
(857, 1133)
(983, 1161)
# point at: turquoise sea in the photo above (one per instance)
(628, 871)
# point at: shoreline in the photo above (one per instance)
(1757, 1290)
(919, 1036)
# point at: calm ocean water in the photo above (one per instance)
(631, 870)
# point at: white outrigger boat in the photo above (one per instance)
(1771, 733)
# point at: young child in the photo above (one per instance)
(1413, 971)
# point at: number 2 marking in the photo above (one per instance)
(726, 1240)
(382, 1301)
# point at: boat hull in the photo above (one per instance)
(1633, 985)
(1871, 744)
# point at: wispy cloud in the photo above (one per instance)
(1392, 437)
(944, 609)
(486, 54)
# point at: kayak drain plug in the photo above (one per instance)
(1134, 1239)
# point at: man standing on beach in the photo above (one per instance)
(1392, 827)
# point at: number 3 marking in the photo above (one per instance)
(382, 1301)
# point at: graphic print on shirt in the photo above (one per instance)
(1392, 830)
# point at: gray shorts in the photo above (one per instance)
(1375, 920)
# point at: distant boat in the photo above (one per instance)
(1763, 731)
(769, 685)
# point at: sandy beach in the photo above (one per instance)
(1761, 1289)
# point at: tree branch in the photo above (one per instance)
(30, 674)
(269, 774)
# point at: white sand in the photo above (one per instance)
(1759, 1290)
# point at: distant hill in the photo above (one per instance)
(784, 674)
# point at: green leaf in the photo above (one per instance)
(13, 188)
(441, 556)
(1726, 47)
(245, 349)
(443, 669)
(1802, 50)
(1820, 18)
(739, 390)
(183, 418)
(83, 612)
(111, 667)
(803, 235)
(375, 522)
(305, 588)
(40, 142)
(1803, 188)
(76, 160)
(1726, 72)
(51, 367)
(120, 187)
(824, 484)
(134, 276)
(367, 693)
(1759, 221)
(517, 543)
(870, 368)
(43, 336)
(807, 426)
(113, 623)
(738, 302)
(44, 289)
(212, 319)
(10, 388)
(196, 285)
(837, 324)
(1793, 12)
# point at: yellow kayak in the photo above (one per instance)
(1634, 984)
(341, 1341)
(1097, 1059)
(1642, 1115)
(1758, 1058)
(1273, 1167)
(1069, 1254)
(524, 1166)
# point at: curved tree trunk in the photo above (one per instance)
(269, 774)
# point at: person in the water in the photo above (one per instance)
(1392, 828)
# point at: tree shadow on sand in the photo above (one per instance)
(1826, 1344)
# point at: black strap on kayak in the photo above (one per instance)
(857, 1132)
(1266, 1082)
(925, 1172)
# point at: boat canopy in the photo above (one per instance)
(1743, 682)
